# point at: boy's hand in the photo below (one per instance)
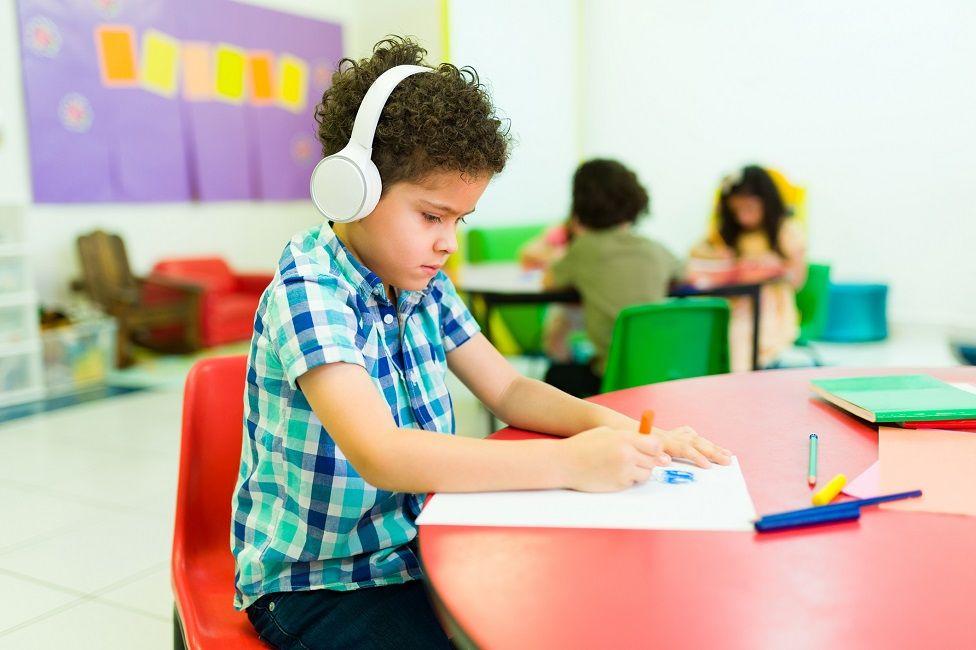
(685, 443)
(607, 460)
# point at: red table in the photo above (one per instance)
(891, 580)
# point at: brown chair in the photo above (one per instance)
(159, 313)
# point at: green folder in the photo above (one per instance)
(898, 398)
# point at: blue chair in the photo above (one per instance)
(857, 313)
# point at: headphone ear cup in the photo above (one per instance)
(339, 186)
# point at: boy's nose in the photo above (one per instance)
(448, 244)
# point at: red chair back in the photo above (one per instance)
(211, 272)
(210, 454)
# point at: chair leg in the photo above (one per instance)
(123, 345)
(179, 642)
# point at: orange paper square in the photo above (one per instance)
(198, 75)
(940, 463)
(260, 70)
(116, 55)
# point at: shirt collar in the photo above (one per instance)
(367, 283)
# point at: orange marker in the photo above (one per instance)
(647, 421)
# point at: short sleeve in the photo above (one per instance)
(562, 269)
(456, 321)
(792, 241)
(310, 322)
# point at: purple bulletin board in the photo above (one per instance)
(172, 100)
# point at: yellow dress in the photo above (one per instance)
(779, 320)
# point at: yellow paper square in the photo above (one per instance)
(160, 62)
(292, 82)
(198, 77)
(230, 64)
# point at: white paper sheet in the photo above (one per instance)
(717, 500)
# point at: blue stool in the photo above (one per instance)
(965, 351)
(857, 313)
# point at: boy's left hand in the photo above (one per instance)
(685, 443)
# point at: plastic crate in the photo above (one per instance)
(78, 356)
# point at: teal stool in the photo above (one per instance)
(857, 313)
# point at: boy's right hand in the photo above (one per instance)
(607, 460)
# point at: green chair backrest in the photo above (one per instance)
(524, 322)
(674, 339)
(500, 244)
(812, 301)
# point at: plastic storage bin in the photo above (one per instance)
(78, 356)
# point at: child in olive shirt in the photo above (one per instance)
(610, 265)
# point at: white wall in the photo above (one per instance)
(250, 235)
(870, 104)
(526, 54)
(14, 173)
(419, 19)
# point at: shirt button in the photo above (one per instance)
(388, 319)
(271, 606)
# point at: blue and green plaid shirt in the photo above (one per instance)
(303, 518)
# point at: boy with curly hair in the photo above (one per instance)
(347, 415)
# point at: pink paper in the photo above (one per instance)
(940, 463)
(867, 485)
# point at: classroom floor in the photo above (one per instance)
(87, 491)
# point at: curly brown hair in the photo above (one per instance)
(607, 194)
(432, 122)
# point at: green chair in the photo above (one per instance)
(674, 339)
(483, 245)
(812, 301)
(500, 244)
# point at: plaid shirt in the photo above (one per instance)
(303, 518)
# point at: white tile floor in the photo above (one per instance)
(86, 508)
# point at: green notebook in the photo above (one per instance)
(898, 398)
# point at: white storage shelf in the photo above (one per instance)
(21, 371)
(18, 319)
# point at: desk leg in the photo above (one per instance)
(756, 294)
(492, 423)
(487, 328)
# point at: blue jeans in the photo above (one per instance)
(394, 616)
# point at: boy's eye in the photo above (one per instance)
(432, 218)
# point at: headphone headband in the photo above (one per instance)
(368, 115)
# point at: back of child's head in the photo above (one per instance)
(607, 194)
(755, 182)
(443, 121)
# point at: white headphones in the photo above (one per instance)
(346, 186)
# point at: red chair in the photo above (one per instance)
(210, 455)
(229, 299)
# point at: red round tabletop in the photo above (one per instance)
(891, 580)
